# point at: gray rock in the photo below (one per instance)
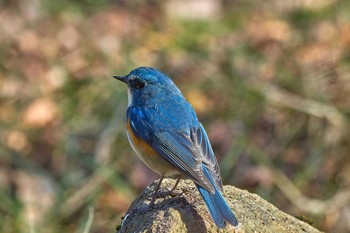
(188, 213)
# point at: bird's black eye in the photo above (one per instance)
(136, 82)
(140, 84)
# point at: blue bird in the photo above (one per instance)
(165, 133)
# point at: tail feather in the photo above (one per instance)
(225, 209)
(217, 206)
(212, 207)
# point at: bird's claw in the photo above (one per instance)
(169, 193)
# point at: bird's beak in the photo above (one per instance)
(121, 78)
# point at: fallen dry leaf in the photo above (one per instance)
(199, 101)
(268, 30)
(16, 140)
(40, 113)
(326, 32)
(75, 61)
(345, 35)
(9, 88)
(317, 53)
(55, 77)
(8, 113)
(69, 37)
(29, 41)
(205, 9)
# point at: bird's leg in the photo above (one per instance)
(176, 183)
(165, 193)
(155, 194)
(172, 191)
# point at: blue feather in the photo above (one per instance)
(160, 116)
(218, 208)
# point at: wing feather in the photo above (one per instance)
(186, 149)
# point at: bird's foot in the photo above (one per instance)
(164, 194)
(171, 193)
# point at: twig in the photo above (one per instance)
(79, 197)
(279, 97)
(107, 137)
(308, 205)
(89, 221)
(102, 173)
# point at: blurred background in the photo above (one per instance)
(270, 81)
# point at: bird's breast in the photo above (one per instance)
(149, 156)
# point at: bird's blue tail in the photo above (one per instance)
(218, 208)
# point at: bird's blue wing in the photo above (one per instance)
(208, 156)
(186, 149)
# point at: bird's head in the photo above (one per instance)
(145, 84)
